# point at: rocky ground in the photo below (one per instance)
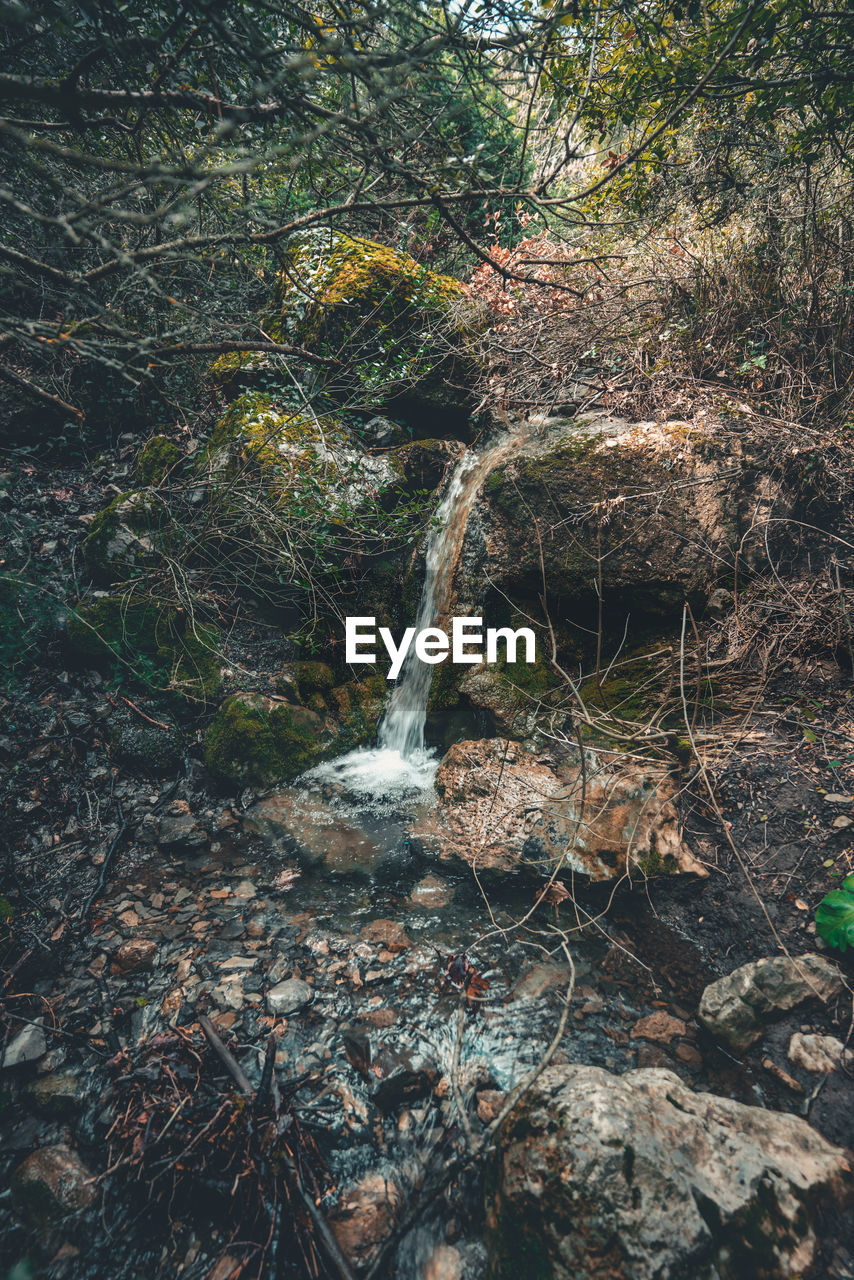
(141, 897)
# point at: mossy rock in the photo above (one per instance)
(401, 331)
(313, 677)
(359, 705)
(294, 455)
(122, 538)
(258, 741)
(150, 643)
(659, 517)
(156, 459)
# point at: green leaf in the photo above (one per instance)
(834, 917)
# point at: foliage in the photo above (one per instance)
(834, 917)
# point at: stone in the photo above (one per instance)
(51, 1184)
(289, 997)
(660, 1027)
(489, 1104)
(179, 829)
(28, 1045)
(302, 826)
(56, 1095)
(504, 810)
(137, 954)
(431, 893)
(386, 933)
(661, 504)
(444, 1263)
(735, 1007)
(819, 1054)
(365, 1215)
(638, 1177)
(401, 1077)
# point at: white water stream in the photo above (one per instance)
(400, 764)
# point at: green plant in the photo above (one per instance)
(834, 917)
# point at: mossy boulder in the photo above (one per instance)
(123, 538)
(255, 740)
(359, 706)
(293, 454)
(653, 513)
(154, 644)
(402, 332)
(157, 458)
(314, 677)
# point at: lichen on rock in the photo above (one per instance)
(122, 538)
(402, 330)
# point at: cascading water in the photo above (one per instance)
(402, 726)
(400, 764)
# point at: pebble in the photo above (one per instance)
(27, 1046)
(289, 997)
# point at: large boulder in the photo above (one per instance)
(292, 451)
(736, 1007)
(639, 1178)
(401, 332)
(658, 510)
(505, 810)
(125, 537)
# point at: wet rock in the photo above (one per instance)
(28, 1045)
(660, 1027)
(820, 1054)
(51, 1184)
(386, 933)
(736, 1007)
(402, 1077)
(258, 741)
(56, 1095)
(365, 1215)
(137, 954)
(431, 893)
(304, 827)
(504, 810)
(289, 997)
(539, 979)
(179, 829)
(638, 1177)
(444, 1263)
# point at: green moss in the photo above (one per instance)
(156, 459)
(119, 538)
(653, 864)
(386, 317)
(313, 677)
(286, 446)
(152, 643)
(257, 741)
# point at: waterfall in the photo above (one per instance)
(400, 765)
(402, 726)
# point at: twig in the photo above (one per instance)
(105, 865)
